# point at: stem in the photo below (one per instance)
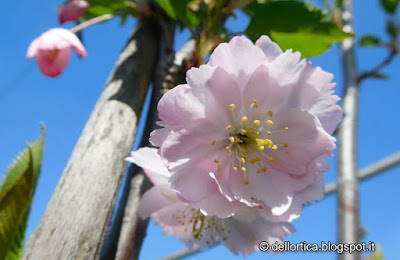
(91, 22)
(348, 196)
(375, 71)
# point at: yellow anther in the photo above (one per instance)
(257, 122)
(213, 142)
(270, 122)
(232, 139)
(242, 160)
(285, 145)
(253, 128)
(229, 127)
(243, 169)
(270, 113)
(258, 171)
(246, 182)
(264, 142)
(274, 147)
(286, 128)
(256, 133)
(243, 132)
(252, 161)
(254, 101)
(216, 161)
(235, 168)
(232, 106)
(264, 169)
(228, 149)
(218, 169)
(269, 133)
(258, 159)
(261, 148)
(244, 119)
(272, 159)
(238, 140)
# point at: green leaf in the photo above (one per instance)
(380, 76)
(178, 10)
(390, 6)
(392, 29)
(167, 7)
(297, 25)
(16, 194)
(339, 3)
(369, 40)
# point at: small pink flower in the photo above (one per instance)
(53, 50)
(258, 120)
(72, 10)
(240, 233)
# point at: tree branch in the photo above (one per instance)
(348, 196)
(376, 71)
(78, 215)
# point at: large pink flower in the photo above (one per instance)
(240, 233)
(258, 120)
(72, 10)
(53, 50)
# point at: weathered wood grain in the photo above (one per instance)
(78, 215)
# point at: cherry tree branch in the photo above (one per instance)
(376, 71)
(347, 190)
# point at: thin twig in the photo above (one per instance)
(365, 173)
(93, 21)
(376, 71)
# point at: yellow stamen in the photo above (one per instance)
(270, 122)
(258, 171)
(252, 161)
(246, 182)
(218, 169)
(232, 106)
(264, 169)
(269, 133)
(257, 122)
(243, 169)
(244, 119)
(235, 168)
(229, 127)
(243, 132)
(270, 113)
(228, 149)
(216, 161)
(242, 160)
(285, 145)
(261, 148)
(232, 139)
(213, 142)
(274, 147)
(258, 159)
(254, 101)
(286, 128)
(272, 159)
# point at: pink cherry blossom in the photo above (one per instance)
(240, 233)
(72, 10)
(258, 120)
(53, 50)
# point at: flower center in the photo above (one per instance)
(200, 225)
(52, 54)
(250, 141)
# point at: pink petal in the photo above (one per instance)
(72, 39)
(150, 161)
(72, 10)
(270, 48)
(32, 49)
(156, 198)
(239, 58)
(53, 67)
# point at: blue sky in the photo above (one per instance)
(65, 103)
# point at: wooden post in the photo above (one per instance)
(78, 215)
